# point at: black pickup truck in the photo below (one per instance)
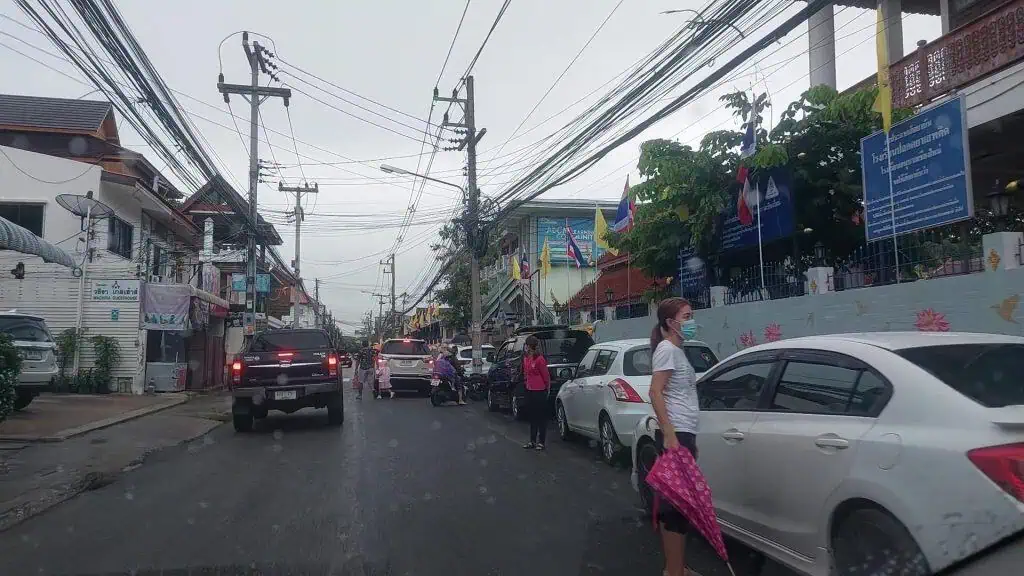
(286, 370)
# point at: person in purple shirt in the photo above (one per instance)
(443, 368)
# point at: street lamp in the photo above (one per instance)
(609, 294)
(387, 168)
(819, 253)
(999, 204)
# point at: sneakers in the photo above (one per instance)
(539, 447)
(392, 395)
(529, 446)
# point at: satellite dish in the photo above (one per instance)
(83, 206)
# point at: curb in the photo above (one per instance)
(95, 425)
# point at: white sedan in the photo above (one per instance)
(878, 453)
(610, 393)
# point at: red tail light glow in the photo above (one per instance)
(624, 392)
(1004, 465)
(332, 365)
(236, 372)
(285, 354)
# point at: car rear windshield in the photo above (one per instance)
(564, 346)
(638, 362)
(488, 354)
(25, 329)
(406, 348)
(989, 374)
(291, 340)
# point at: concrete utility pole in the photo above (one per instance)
(255, 95)
(380, 315)
(316, 295)
(389, 268)
(300, 215)
(473, 229)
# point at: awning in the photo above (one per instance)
(14, 237)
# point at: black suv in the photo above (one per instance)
(562, 347)
(286, 370)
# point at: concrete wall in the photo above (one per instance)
(982, 302)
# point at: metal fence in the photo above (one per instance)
(770, 281)
(920, 257)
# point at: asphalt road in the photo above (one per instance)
(402, 488)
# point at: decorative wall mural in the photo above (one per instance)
(747, 339)
(929, 320)
(993, 259)
(773, 332)
(861, 307)
(1007, 308)
(810, 319)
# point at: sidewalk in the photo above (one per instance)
(37, 476)
(57, 417)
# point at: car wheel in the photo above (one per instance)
(492, 406)
(611, 448)
(870, 541)
(242, 422)
(647, 454)
(23, 399)
(563, 423)
(335, 409)
(514, 405)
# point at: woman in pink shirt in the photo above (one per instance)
(538, 384)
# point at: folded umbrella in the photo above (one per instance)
(676, 478)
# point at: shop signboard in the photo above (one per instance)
(166, 306)
(263, 283)
(552, 230)
(238, 282)
(930, 183)
(115, 290)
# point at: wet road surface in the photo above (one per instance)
(401, 488)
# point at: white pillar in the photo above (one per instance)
(1000, 250)
(208, 240)
(821, 40)
(944, 15)
(892, 11)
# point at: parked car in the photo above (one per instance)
(871, 452)
(465, 359)
(35, 344)
(563, 348)
(345, 360)
(286, 370)
(410, 362)
(609, 393)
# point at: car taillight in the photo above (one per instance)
(1004, 465)
(624, 392)
(285, 354)
(236, 372)
(332, 365)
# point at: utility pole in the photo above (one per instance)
(380, 314)
(300, 215)
(255, 94)
(316, 295)
(389, 268)
(473, 228)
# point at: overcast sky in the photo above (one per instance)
(391, 51)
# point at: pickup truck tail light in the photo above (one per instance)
(624, 392)
(332, 365)
(236, 372)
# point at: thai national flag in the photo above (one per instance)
(524, 264)
(626, 211)
(572, 247)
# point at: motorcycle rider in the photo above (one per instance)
(443, 369)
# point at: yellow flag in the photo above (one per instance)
(883, 104)
(516, 275)
(683, 212)
(601, 232)
(545, 260)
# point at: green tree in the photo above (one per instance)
(453, 290)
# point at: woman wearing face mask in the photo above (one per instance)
(674, 398)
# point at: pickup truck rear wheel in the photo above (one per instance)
(335, 409)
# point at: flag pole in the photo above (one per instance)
(892, 205)
(568, 282)
(760, 247)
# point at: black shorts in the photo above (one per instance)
(670, 518)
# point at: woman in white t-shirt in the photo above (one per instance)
(674, 398)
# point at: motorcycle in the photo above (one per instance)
(477, 387)
(442, 390)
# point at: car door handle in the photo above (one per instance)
(838, 443)
(733, 435)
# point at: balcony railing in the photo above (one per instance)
(986, 45)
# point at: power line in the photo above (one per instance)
(452, 45)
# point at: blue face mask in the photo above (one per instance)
(688, 329)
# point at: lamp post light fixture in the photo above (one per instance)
(819, 253)
(609, 294)
(999, 203)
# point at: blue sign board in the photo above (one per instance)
(930, 183)
(691, 271)
(773, 191)
(553, 230)
(263, 283)
(238, 282)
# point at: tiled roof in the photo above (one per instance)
(37, 112)
(619, 280)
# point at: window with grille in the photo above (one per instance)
(119, 237)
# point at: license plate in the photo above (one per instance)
(435, 382)
(32, 355)
(285, 395)
(408, 362)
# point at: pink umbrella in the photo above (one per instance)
(676, 477)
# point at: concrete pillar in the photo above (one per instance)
(1000, 250)
(718, 294)
(819, 280)
(821, 41)
(892, 11)
(208, 240)
(944, 15)
(609, 313)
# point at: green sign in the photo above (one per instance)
(114, 313)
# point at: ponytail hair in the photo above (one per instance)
(667, 308)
